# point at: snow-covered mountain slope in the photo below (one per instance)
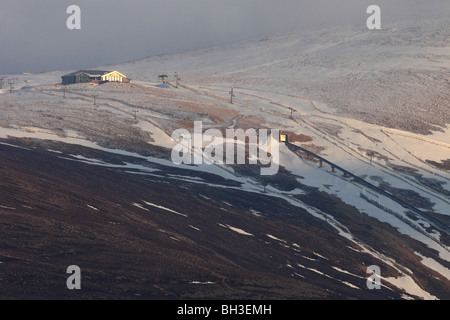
(397, 76)
(373, 103)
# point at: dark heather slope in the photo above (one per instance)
(56, 212)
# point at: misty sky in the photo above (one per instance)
(34, 36)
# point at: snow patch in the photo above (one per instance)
(314, 270)
(436, 266)
(139, 206)
(237, 230)
(195, 228)
(275, 238)
(6, 207)
(202, 283)
(164, 208)
(410, 286)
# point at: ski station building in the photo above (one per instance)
(94, 76)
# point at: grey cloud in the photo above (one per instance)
(34, 37)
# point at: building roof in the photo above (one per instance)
(91, 73)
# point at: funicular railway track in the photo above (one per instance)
(439, 225)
